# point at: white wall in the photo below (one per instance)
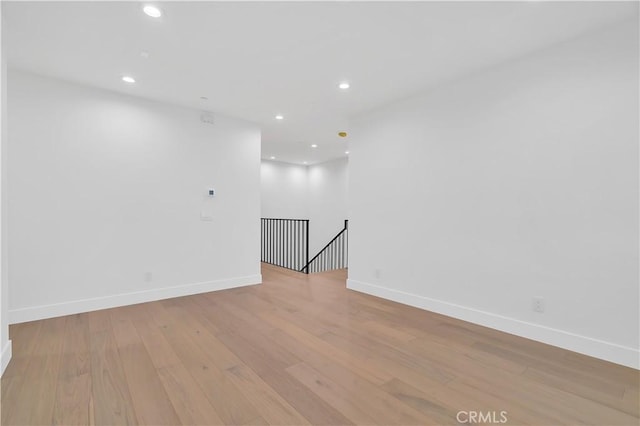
(106, 188)
(317, 192)
(5, 343)
(283, 189)
(519, 182)
(327, 201)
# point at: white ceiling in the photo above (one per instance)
(255, 60)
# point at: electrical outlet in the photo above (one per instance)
(538, 304)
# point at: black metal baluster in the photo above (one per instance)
(279, 242)
(306, 251)
(295, 245)
(287, 246)
(276, 224)
(291, 244)
(266, 240)
(342, 251)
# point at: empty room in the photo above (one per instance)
(326, 213)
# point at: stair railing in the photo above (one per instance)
(333, 256)
(284, 242)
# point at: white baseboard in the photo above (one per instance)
(5, 357)
(33, 313)
(608, 351)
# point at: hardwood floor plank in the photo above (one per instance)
(36, 399)
(151, 403)
(272, 371)
(110, 391)
(190, 403)
(258, 421)
(257, 335)
(599, 368)
(73, 394)
(396, 362)
(613, 400)
(9, 393)
(604, 385)
(563, 406)
(298, 349)
(423, 401)
(228, 401)
(271, 406)
(329, 351)
(198, 334)
(378, 405)
(468, 396)
(76, 352)
(631, 399)
(159, 349)
(73, 401)
(261, 303)
(24, 337)
(387, 332)
(331, 393)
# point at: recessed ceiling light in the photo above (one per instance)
(344, 85)
(314, 146)
(279, 117)
(346, 152)
(152, 11)
(272, 158)
(304, 162)
(128, 79)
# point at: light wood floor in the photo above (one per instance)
(297, 350)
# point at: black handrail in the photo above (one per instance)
(284, 242)
(332, 256)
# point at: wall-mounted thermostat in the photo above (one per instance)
(206, 117)
(211, 192)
